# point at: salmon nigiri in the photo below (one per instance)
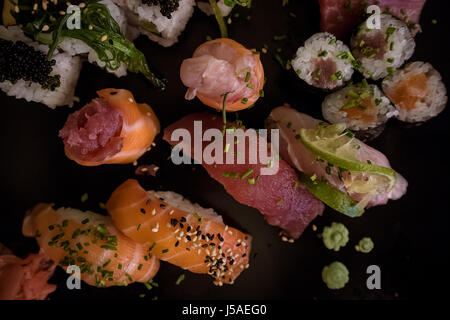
(90, 241)
(180, 232)
(223, 66)
(111, 129)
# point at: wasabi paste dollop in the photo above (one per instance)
(365, 245)
(335, 236)
(335, 275)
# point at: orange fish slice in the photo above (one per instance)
(90, 241)
(140, 126)
(200, 244)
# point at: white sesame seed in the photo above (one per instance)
(199, 251)
(284, 238)
(246, 266)
(226, 228)
(16, 9)
(291, 240)
(90, 27)
(176, 231)
(153, 144)
(171, 212)
(45, 28)
(82, 5)
(153, 211)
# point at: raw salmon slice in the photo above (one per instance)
(183, 234)
(90, 241)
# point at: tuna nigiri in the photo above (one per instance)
(280, 197)
(223, 66)
(111, 129)
(176, 231)
(104, 255)
(25, 279)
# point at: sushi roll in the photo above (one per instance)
(162, 21)
(360, 106)
(103, 34)
(25, 72)
(222, 73)
(380, 51)
(417, 91)
(112, 129)
(323, 62)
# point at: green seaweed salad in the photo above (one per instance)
(46, 21)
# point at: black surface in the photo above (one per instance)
(411, 235)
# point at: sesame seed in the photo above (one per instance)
(16, 9)
(90, 27)
(314, 227)
(284, 238)
(104, 38)
(153, 211)
(62, 13)
(291, 240)
(45, 28)
(171, 212)
(82, 5)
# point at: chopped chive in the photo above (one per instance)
(324, 53)
(85, 221)
(165, 251)
(251, 181)
(180, 278)
(246, 174)
(84, 197)
(247, 77)
(244, 100)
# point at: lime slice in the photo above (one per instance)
(337, 146)
(332, 197)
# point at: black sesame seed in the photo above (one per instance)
(143, 211)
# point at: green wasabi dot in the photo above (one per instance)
(335, 236)
(365, 245)
(335, 275)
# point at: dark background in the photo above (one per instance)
(411, 235)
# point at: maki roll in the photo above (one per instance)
(323, 62)
(417, 91)
(380, 51)
(26, 73)
(360, 106)
(161, 20)
(102, 33)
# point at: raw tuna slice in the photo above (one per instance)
(279, 197)
(340, 17)
(289, 121)
(25, 279)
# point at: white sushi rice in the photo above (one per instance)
(304, 60)
(205, 7)
(333, 103)
(67, 67)
(403, 46)
(432, 104)
(139, 15)
(76, 47)
(178, 201)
